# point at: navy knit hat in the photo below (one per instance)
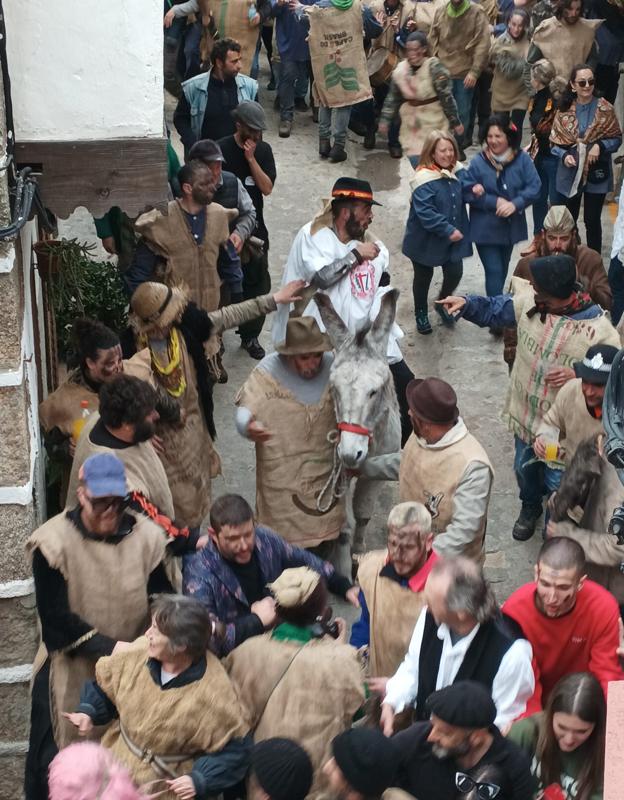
(554, 275)
(368, 760)
(282, 768)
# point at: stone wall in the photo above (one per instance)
(19, 483)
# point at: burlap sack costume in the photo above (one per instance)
(393, 611)
(107, 587)
(294, 465)
(431, 476)
(308, 693)
(556, 342)
(144, 470)
(565, 45)
(419, 116)
(337, 55)
(230, 18)
(201, 717)
(185, 261)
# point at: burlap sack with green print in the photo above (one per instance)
(556, 342)
(337, 52)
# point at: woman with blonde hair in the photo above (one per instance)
(436, 225)
(566, 740)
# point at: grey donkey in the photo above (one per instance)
(367, 410)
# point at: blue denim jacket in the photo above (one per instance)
(196, 93)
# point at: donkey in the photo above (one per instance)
(365, 399)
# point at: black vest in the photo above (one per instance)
(227, 194)
(480, 663)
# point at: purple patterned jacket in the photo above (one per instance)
(207, 576)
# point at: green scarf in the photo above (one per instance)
(457, 12)
(343, 5)
(291, 633)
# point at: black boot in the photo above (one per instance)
(524, 526)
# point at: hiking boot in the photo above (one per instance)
(524, 526)
(324, 148)
(370, 140)
(337, 154)
(447, 319)
(300, 104)
(395, 150)
(422, 322)
(254, 348)
(285, 128)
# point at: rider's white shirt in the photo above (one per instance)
(356, 296)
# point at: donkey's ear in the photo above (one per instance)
(380, 329)
(336, 329)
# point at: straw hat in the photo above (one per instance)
(303, 336)
(155, 305)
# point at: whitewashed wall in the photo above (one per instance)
(85, 69)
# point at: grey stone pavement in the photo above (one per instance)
(467, 357)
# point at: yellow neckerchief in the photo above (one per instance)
(171, 375)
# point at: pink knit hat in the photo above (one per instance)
(88, 771)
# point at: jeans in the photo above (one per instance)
(534, 480)
(463, 98)
(452, 273)
(592, 209)
(334, 121)
(402, 375)
(256, 282)
(293, 83)
(546, 166)
(616, 282)
(495, 258)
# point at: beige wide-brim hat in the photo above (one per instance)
(156, 306)
(303, 336)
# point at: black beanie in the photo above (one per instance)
(554, 275)
(368, 760)
(282, 768)
(465, 704)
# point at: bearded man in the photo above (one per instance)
(392, 583)
(336, 253)
(286, 409)
(560, 237)
(124, 426)
(565, 39)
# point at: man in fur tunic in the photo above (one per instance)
(298, 681)
(94, 567)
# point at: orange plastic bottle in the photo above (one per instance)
(81, 421)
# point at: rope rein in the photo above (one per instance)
(337, 483)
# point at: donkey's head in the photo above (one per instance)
(360, 379)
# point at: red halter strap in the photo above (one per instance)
(349, 427)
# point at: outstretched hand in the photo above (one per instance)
(289, 293)
(453, 304)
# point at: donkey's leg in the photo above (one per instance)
(363, 507)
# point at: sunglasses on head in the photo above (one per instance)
(485, 791)
(582, 82)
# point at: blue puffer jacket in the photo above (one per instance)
(518, 181)
(436, 210)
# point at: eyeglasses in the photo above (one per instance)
(485, 791)
(582, 82)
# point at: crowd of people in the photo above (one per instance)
(190, 638)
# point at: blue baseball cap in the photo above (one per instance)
(104, 475)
